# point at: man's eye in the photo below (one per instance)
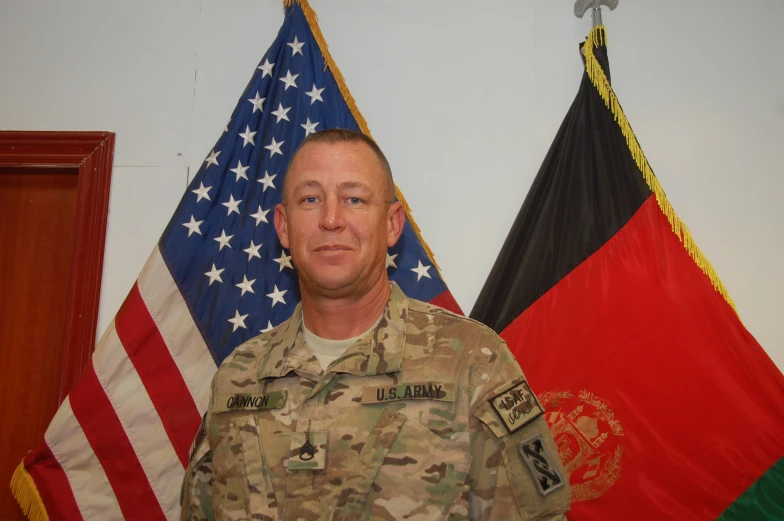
(310, 200)
(354, 200)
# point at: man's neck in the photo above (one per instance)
(338, 319)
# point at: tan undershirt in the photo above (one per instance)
(327, 351)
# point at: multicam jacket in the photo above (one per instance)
(426, 417)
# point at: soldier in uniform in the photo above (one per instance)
(366, 404)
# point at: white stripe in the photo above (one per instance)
(140, 421)
(92, 491)
(173, 318)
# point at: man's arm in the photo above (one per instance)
(516, 472)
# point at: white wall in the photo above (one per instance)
(464, 97)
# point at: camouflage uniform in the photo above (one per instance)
(426, 417)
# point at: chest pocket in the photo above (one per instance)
(245, 485)
(420, 477)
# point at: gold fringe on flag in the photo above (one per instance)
(26, 494)
(598, 37)
(310, 16)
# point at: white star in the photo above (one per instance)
(253, 250)
(232, 205)
(238, 321)
(241, 171)
(274, 147)
(289, 80)
(277, 296)
(284, 260)
(266, 68)
(310, 128)
(193, 226)
(258, 103)
(296, 45)
(212, 159)
(281, 113)
(260, 216)
(315, 94)
(223, 240)
(247, 136)
(246, 285)
(391, 260)
(268, 328)
(203, 192)
(214, 274)
(267, 181)
(421, 271)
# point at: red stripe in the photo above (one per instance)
(159, 373)
(447, 301)
(103, 430)
(52, 484)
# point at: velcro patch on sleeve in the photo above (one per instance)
(540, 462)
(444, 392)
(517, 406)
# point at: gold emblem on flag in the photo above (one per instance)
(588, 438)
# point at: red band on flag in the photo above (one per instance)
(447, 301)
(106, 435)
(52, 484)
(161, 376)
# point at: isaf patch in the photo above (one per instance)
(540, 462)
(517, 406)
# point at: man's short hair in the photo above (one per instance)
(343, 135)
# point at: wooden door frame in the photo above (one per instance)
(92, 154)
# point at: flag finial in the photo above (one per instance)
(581, 7)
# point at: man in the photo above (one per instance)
(366, 404)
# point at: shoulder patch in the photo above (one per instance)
(517, 406)
(541, 465)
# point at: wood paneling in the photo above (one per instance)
(37, 237)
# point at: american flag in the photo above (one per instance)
(118, 446)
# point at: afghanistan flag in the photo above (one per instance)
(118, 445)
(662, 404)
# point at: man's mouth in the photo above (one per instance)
(333, 247)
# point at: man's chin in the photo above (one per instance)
(336, 283)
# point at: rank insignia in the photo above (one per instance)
(308, 451)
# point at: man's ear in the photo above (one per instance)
(396, 219)
(281, 225)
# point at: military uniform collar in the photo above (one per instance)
(379, 351)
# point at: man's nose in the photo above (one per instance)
(332, 216)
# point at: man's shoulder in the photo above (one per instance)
(446, 323)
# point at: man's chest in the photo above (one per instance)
(340, 443)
